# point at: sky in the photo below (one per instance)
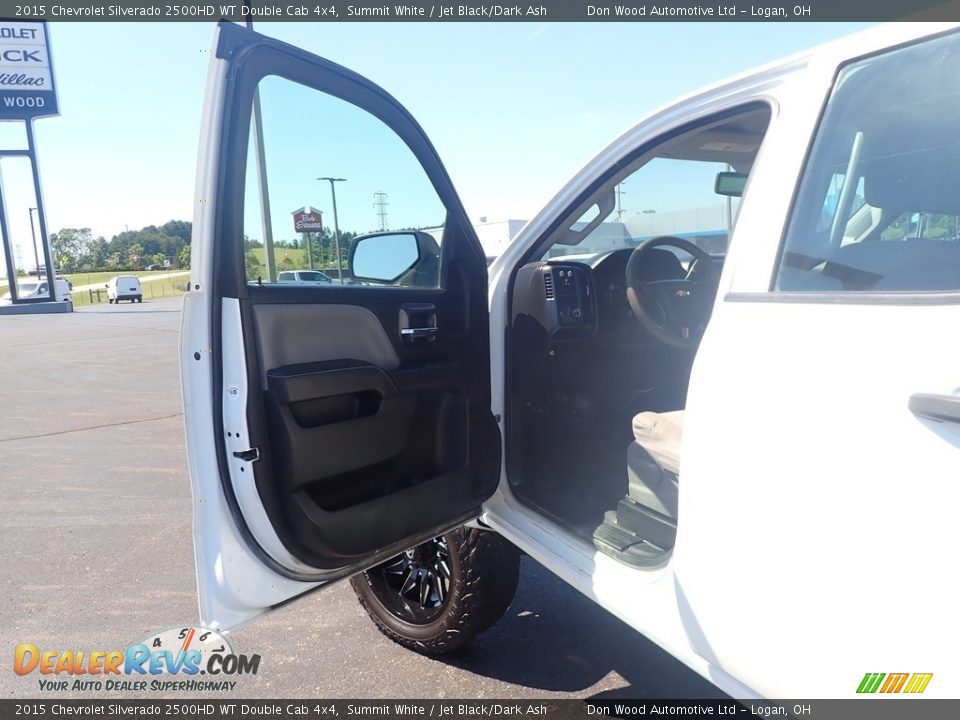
(514, 109)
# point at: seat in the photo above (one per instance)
(660, 435)
(653, 461)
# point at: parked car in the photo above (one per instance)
(39, 289)
(303, 277)
(748, 453)
(124, 287)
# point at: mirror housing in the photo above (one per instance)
(401, 257)
(730, 184)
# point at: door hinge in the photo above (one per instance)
(251, 455)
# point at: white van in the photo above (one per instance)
(35, 289)
(124, 287)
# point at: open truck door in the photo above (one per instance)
(329, 425)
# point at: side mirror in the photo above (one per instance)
(730, 184)
(387, 257)
(106, 285)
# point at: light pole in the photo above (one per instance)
(336, 225)
(33, 234)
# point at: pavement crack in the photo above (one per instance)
(92, 427)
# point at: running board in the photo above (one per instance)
(636, 535)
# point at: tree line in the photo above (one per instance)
(77, 250)
(168, 245)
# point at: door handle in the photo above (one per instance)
(942, 408)
(418, 322)
(413, 333)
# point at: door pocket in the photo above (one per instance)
(346, 432)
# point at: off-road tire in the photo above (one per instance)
(484, 569)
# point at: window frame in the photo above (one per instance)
(248, 66)
(355, 104)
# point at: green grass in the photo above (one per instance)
(94, 278)
(298, 257)
(83, 278)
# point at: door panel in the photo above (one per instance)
(371, 434)
(819, 513)
(369, 440)
(285, 335)
(351, 416)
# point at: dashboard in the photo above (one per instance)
(567, 302)
(570, 299)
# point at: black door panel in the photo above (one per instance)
(365, 450)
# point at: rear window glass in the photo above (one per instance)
(879, 205)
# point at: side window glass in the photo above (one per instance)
(346, 202)
(878, 208)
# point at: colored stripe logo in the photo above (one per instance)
(913, 683)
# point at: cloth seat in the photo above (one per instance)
(653, 462)
(660, 434)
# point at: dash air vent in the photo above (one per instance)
(548, 284)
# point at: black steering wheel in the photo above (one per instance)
(673, 311)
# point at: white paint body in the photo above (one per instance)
(808, 489)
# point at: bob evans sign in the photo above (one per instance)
(26, 74)
(306, 219)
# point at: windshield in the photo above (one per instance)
(681, 189)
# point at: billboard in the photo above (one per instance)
(26, 72)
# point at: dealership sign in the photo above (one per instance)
(26, 73)
(306, 219)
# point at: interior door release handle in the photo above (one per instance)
(943, 408)
(418, 322)
(412, 333)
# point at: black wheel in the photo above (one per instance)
(440, 595)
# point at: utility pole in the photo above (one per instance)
(33, 234)
(380, 203)
(620, 203)
(336, 224)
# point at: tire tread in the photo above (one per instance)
(490, 568)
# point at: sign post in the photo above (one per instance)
(27, 92)
(307, 220)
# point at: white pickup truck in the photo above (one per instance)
(732, 420)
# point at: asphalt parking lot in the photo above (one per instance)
(95, 526)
